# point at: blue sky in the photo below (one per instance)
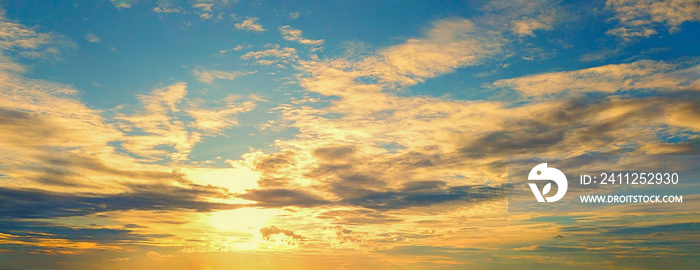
(209, 132)
(134, 47)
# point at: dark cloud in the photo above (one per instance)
(356, 185)
(40, 143)
(279, 197)
(353, 190)
(26, 129)
(267, 232)
(325, 170)
(532, 135)
(423, 193)
(585, 122)
(423, 185)
(67, 160)
(334, 153)
(275, 162)
(417, 160)
(344, 235)
(412, 197)
(15, 203)
(32, 230)
(678, 228)
(24, 235)
(683, 233)
(273, 181)
(13, 117)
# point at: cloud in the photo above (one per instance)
(161, 122)
(602, 125)
(240, 47)
(551, 249)
(334, 152)
(166, 9)
(427, 250)
(426, 195)
(118, 259)
(637, 19)
(343, 152)
(359, 181)
(284, 53)
(41, 120)
(652, 230)
(205, 6)
(123, 3)
(154, 255)
(272, 56)
(359, 217)
(20, 41)
(370, 169)
(449, 44)
(59, 157)
(32, 203)
(643, 74)
(250, 25)
(283, 197)
(292, 34)
(103, 237)
(92, 38)
(214, 120)
(209, 75)
(160, 126)
(293, 15)
(599, 55)
(684, 115)
(372, 149)
(269, 232)
(37, 243)
(523, 18)
(528, 26)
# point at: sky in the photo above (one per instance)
(218, 134)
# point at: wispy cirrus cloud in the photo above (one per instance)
(523, 18)
(294, 15)
(216, 119)
(160, 122)
(449, 44)
(209, 75)
(641, 19)
(643, 74)
(160, 126)
(21, 41)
